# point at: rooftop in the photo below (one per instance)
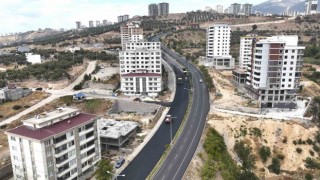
(42, 118)
(114, 129)
(59, 127)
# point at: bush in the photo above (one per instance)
(280, 156)
(294, 142)
(285, 139)
(316, 148)
(275, 166)
(311, 152)
(244, 153)
(312, 164)
(309, 141)
(264, 153)
(308, 176)
(299, 150)
(16, 107)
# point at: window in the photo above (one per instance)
(14, 148)
(13, 138)
(49, 153)
(72, 162)
(47, 143)
(83, 137)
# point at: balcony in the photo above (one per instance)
(64, 151)
(92, 128)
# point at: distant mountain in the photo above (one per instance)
(279, 6)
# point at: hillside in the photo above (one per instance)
(279, 6)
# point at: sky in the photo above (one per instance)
(25, 15)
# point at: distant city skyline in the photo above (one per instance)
(26, 15)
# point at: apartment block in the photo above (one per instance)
(163, 8)
(219, 9)
(235, 8)
(153, 10)
(131, 32)
(91, 24)
(140, 68)
(218, 47)
(275, 72)
(58, 145)
(311, 7)
(246, 9)
(123, 18)
(245, 57)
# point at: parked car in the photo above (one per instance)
(200, 80)
(167, 119)
(120, 162)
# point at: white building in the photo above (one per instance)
(73, 49)
(140, 68)
(60, 145)
(235, 8)
(33, 58)
(246, 9)
(311, 7)
(131, 32)
(246, 49)
(218, 47)
(274, 76)
(219, 9)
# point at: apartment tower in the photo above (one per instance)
(163, 8)
(130, 32)
(78, 24)
(218, 47)
(245, 57)
(246, 9)
(59, 145)
(235, 8)
(219, 9)
(311, 7)
(275, 72)
(91, 24)
(153, 10)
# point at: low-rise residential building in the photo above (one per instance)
(23, 49)
(33, 58)
(59, 145)
(274, 75)
(73, 49)
(114, 134)
(13, 94)
(239, 77)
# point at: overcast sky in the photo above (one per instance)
(24, 15)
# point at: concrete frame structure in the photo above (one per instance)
(114, 134)
(311, 7)
(275, 72)
(239, 77)
(163, 8)
(245, 56)
(58, 145)
(153, 10)
(218, 47)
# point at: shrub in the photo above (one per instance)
(16, 107)
(264, 153)
(285, 139)
(311, 152)
(308, 176)
(299, 150)
(316, 148)
(294, 142)
(275, 166)
(312, 164)
(244, 153)
(309, 141)
(280, 156)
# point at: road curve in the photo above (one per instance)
(54, 94)
(183, 150)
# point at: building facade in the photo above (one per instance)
(235, 8)
(219, 9)
(140, 68)
(163, 8)
(123, 18)
(275, 72)
(153, 10)
(246, 9)
(91, 24)
(311, 7)
(245, 57)
(218, 47)
(60, 145)
(97, 23)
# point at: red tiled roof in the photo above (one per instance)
(56, 128)
(141, 75)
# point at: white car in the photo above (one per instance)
(200, 81)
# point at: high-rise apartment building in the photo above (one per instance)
(218, 46)
(59, 145)
(140, 63)
(123, 18)
(78, 24)
(246, 9)
(153, 10)
(105, 22)
(219, 9)
(245, 57)
(97, 23)
(311, 7)
(275, 72)
(91, 24)
(163, 8)
(235, 8)
(130, 32)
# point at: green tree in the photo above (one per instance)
(264, 153)
(102, 172)
(308, 176)
(254, 27)
(275, 166)
(244, 153)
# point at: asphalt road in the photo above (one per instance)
(183, 150)
(140, 167)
